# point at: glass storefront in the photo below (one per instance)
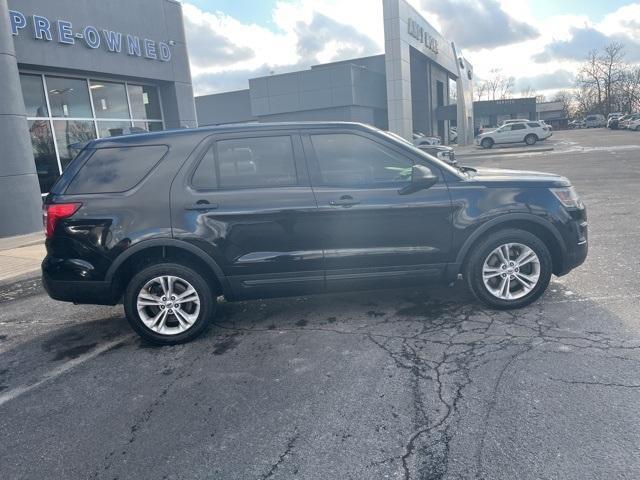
(64, 111)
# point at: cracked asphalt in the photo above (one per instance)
(420, 383)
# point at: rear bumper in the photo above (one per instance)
(77, 291)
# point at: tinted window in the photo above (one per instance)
(115, 169)
(205, 176)
(518, 126)
(255, 162)
(347, 159)
(505, 128)
(533, 124)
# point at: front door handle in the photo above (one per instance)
(202, 205)
(344, 201)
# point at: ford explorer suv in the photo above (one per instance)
(528, 132)
(167, 222)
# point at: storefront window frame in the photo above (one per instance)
(131, 121)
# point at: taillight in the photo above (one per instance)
(52, 213)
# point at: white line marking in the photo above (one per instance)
(56, 372)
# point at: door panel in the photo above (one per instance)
(370, 232)
(248, 202)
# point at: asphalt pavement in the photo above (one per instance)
(420, 383)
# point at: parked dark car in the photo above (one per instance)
(166, 222)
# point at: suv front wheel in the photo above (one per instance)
(509, 269)
(169, 303)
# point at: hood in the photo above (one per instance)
(523, 178)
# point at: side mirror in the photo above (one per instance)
(421, 178)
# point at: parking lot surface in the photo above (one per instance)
(420, 383)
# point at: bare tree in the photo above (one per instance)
(528, 92)
(567, 98)
(611, 65)
(480, 89)
(498, 86)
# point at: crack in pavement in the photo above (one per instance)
(439, 358)
(282, 457)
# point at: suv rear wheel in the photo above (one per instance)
(486, 143)
(530, 139)
(169, 303)
(509, 269)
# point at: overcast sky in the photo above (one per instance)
(540, 42)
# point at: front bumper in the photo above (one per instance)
(577, 246)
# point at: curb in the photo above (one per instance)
(9, 243)
(495, 153)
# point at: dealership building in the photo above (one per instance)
(411, 87)
(73, 71)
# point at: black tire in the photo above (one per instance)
(531, 139)
(473, 272)
(192, 276)
(638, 128)
(486, 143)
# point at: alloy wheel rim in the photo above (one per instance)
(511, 271)
(168, 305)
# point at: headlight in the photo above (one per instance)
(567, 196)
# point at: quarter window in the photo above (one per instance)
(112, 170)
(533, 124)
(348, 159)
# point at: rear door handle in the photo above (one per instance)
(344, 201)
(202, 206)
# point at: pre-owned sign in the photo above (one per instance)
(90, 36)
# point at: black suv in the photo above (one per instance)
(167, 222)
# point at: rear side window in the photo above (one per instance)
(114, 170)
(247, 163)
(533, 124)
(518, 126)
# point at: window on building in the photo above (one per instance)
(65, 116)
(145, 102)
(348, 159)
(109, 99)
(112, 170)
(70, 133)
(68, 97)
(35, 102)
(44, 153)
(111, 128)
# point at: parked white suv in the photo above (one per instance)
(521, 132)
